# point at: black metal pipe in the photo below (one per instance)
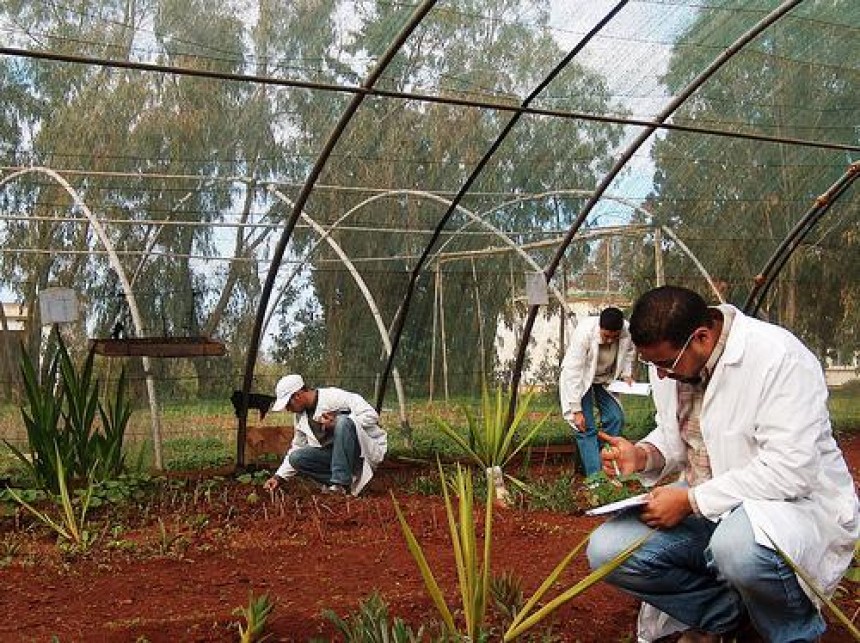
(253, 348)
(667, 111)
(765, 278)
(403, 311)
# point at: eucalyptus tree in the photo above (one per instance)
(492, 50)
(173, 146)
(734, 201)
(51, 116)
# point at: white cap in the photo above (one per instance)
(287, 386)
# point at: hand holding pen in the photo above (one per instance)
(618, 455)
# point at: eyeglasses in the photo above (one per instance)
(670, 369)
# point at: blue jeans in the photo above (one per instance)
(708, 574)
(611, 421)
(334, 463)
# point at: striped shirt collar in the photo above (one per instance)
(728, 315)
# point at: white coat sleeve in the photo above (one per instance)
(571, 383)
(300, 440)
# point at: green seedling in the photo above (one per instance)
(255, 614)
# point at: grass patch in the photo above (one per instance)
(200, 435)
(844, 404)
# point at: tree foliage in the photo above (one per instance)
(733, 201)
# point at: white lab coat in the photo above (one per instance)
(767, 431)
(371, 437)
(580, 364)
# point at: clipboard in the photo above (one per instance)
(636, 388)
(633, 501)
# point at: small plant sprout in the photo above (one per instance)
(372, 623)
(507, 592)
(255, 614)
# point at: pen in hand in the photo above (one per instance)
(617, 480)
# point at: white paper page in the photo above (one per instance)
(636, 388)
(633, 501)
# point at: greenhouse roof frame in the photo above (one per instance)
(513, 111)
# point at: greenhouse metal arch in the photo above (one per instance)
(686, 127)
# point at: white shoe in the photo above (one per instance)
(335, 490)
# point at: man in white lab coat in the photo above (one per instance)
(337, 440)
(742, 417)
(600, 351)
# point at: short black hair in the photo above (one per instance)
(667, 314)
(611, 319)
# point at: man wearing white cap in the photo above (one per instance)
(337, 439)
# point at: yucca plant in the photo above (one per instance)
(491, 443)
(60, 419)
(474, 576)
(824, 598)
(71, 525)
(255, 614)
(473, 568)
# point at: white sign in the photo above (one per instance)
(58, 305)
(536, 289)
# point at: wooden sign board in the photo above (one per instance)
(158, 347)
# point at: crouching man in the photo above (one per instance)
(742, 417)
(337, 439)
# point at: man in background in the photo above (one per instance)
(600, 351)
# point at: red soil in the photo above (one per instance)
(308, 552)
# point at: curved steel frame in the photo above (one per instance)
(254, 345)
(596, 232)
(400, 320)
(764, 279)
(474, 216)
(114, 261)
(667, 111)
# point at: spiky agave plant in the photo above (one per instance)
(491, 443)
(474, 576)
(473, 569)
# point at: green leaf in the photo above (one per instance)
(424, 567)
(523, 622)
